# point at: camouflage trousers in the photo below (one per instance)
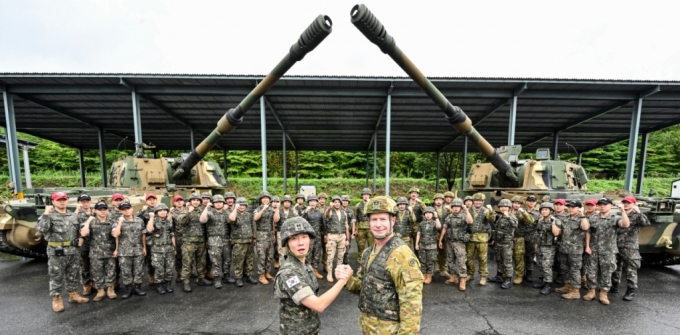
(477, 250)
(575, 264)
(427, 258)
(243, 259)
(600, 269)
(627, 264)
(193, 249)
(530, 253)
(163, 264)
(372, 325)
(226, 258)
(280, 248)
(215, 250)
(63, 270)
(85, 266)
(314, 255)
(364, 240)
(147, 260)
(546, 258)
(265, 252)
(505, 251)
(178, 255)
(456, 258)
(335, 248)
(131, 269)
(103, 272)
(518, 253)
(562, 263)
(441, 258)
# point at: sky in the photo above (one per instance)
(527, 39)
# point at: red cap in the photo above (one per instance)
(630, 199)
(151, 195)
(117, 196)
(561, 201)
(59, 196)
(591, 202)
(177, 197)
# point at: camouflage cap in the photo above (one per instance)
(366, 190)
(230, 195)
(322, 195)
(287, 198)
(449, 194)
(380, 204)
(206, 195)
(336, 197)
(217, 198)
(160, 207)
(547, 205)
(402, 200)
(518, 198)
(295, 226)
(194, 196)
(479, 196)
(312, 197)
(264, 194)
(429, 209)
(414, 189)
(300, 195)
(276, 199)
(344, 197)
(457, 202)
(467, 198)
(504, 203)
(438, 196)
(242, 201)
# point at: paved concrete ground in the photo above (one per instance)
(25, 308)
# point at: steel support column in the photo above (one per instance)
(556, 142)
(439, 160)
(643, 162)
(297, 172)
(191, 138)
(137, 117)
(11, 170)
(512, 121)
(263, 141)
(12, 145)
(81, 163)
(27, 168)
(285, 168)
(375, 159)
(102, 155)
(632, 144)
(463, 176)
(388, 126)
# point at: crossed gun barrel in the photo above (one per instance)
(368, 24)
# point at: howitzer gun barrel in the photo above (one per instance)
(368, 24)
(310, 39)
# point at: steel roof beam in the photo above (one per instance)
(278, 120)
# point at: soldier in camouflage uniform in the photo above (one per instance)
(352, 224)
(163, 251)
(98, 230)
(468, 201)
(363, 231)
(215, 220)
(315, 217)
(336, 234)
(442, 213)
(264, 220)
(295, 285)
(243, 239)
(530, 239)
(525, 227)
(116, 200)
(590, 210)
(130, 235)
(503, 238)
(573, 232)
(389, 281)
(280, 216)
(406, 221)
(177, 210)
(547, 228)
(603, 228)
(300, 204)
(193, 246)
(479, 230)
(628, 258)
(560, 258)
(323, 197)
(60, 229)
(418, 208)
(151, 201)
(229, 206)
(455, 231)
(83, 212)
(206, 198)
(426, 243)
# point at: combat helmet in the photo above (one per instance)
(479, 196)
(194, 196)
(300, 195)
(449, 194)
(160, 207)
(322, 195)
(241, 201)
(547, 205)
(438, 196)
(402, 200)
(336, 197)
(287, 198)
(217, 198)
(366, 190)
(276, 199)
(206, 195)
(429, 209)
(505, 203)
(264, 194)
(344, 197)
(312, 197)
(295, 226)
(380, 204)
(414, 189)
(518, 198)
(457, 202)
(230, 195)
(467, 198)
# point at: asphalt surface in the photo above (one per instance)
(25, 308)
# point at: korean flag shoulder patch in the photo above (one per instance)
(293, 281)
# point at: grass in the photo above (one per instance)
(9, 257)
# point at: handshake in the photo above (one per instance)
(343, 272)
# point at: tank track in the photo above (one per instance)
(661, 261)
(12, 250)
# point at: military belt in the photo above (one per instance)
(59, 244)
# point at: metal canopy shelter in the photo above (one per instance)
(335, 113)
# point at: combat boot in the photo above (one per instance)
(152, 279)
(239, 282)
(57, 304)
(218, 283)
(168, 286)
(276, 264)
(428, 279)
(187, 287)
(101, 293)
(329, 277)
(111, 293)
(559, 279)
(528, 277)
(268, 276)
(444, 274)
(263, 280)
(228, 280)
(87, 288)
(603, 297)
(507, 283)
(317, 274)
(630, 293)
(452, 280)
(251, 280)
(127, 293)
(517, 281)
(74, 297)
(574, 293)
(614, 288)
(564, 289)
(208, 274)
(590, 295)
(160, 289)
(497, 279)
(546, 289)
(204, 282)
(461, 285)
(540, 285)
(482, 281)
(138, 290)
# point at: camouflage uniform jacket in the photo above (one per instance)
(505, 229)
(456, 226)
(314, 217)
(418, 209)
(525, 223)
(336, 224)
(482, 220)
(351, 219)
(428, 234)
(544, 231)
(114, 214)
(283, 216)
(359, 215)
(163, 232)
(217, 222)
(227, 226)
(266, 221)
(82, 216)
(179, 229)
(300, 209)
(573, 237)
(130, 239)
(144, 215)
(405, 222)
(390, 285)
(603, 233)
(442, 213)
(103, 244)
(193, 228)
(243, 228)
(628, 237)
(57, 227)
(294, 282)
